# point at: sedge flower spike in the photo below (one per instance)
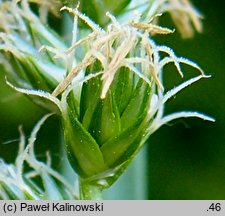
(18, 183)
(107, 85)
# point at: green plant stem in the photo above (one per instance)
(90, 191)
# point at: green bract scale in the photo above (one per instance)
(107, 132)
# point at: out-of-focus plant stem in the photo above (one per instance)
(133, 184)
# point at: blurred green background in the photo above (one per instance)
(187, 161)
(183, 160)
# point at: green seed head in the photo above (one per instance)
(107, 85)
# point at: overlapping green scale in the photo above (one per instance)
(107, 133)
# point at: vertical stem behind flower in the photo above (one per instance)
(89, 191)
